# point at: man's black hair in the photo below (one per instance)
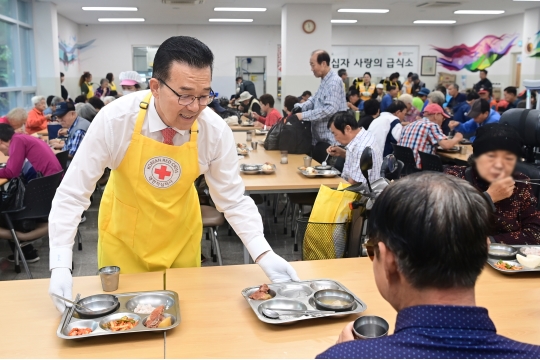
(341, 119)
(438, 229)
(183, 49)
(6, 132)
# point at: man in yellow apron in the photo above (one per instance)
(157, 143)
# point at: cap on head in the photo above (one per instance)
(63, 108)
(380, 86)
(497, 136)
(129, 78)
(424, 92)
(435, 109)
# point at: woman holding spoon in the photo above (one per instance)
(496, 151)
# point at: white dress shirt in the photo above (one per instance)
(380, 128)
(105, 145)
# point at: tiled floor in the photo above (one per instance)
(86, 260)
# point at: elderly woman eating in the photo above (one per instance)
(495, 155)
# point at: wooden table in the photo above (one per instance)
(214, 312)
(31, 320)
(459, 157)
(287, 178)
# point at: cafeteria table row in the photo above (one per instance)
(286, 179)
(217, 322)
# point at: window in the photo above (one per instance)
(17, 64)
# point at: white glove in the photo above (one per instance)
(61, 284)
(277, 269)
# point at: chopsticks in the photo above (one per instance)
(528, 182)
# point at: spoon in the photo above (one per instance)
(72, 302)
(273, 314)
(324, 162)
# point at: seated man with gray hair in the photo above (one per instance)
(37, 121)
(426, 262)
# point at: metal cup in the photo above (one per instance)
(254, 145)
(248, 136)
(110, 276)
(463, 150)
(284, 157)
(307, 161)
(370, 327)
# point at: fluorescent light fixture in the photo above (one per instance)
(365, 11)
(479, 12)
(435, 21)
(526, 0)
(109, 8)
(121, 19)
(231, 20)
(238, 9)
(337, 21)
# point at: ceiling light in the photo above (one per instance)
(435, 21)
(365, 11)
(479, 12)
(111, 8)
(121, 19)
(526, 0)
(238, 9)
(231, 20)
(337, 21)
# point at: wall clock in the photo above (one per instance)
(309, 26)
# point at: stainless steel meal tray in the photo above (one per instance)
(299, 296)
(318, 173)
(128, 302)
(256, 171)
(492, 263)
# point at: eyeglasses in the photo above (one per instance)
(185, 100)
(370, 247)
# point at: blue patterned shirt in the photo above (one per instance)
(72, 143)
(434, 331)
(328, 100)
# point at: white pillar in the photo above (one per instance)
(297, 46)
(46, 48)
(530, 66)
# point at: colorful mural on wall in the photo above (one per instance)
(69, 50)
(533, 47)
(477, 57)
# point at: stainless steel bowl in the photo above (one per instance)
(80, 324)
(250, 169)
(320, 167)
(294, 291)
(324, 285)
(502, 252)
(324, 299)
(151, 299)
(328, 173)
(100, 304)
(370, 327)
(283, 304)
(104, 321)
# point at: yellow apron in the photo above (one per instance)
(112, 86)
(408, 87)
(362, 89)
(90, 90)
(149, 217)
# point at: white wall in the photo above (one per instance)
(46, 48)
(501, 71)
(112, 50)
(68, 33)
(422, 36)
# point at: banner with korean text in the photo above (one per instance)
(380, 61)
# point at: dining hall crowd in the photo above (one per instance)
(488, 199)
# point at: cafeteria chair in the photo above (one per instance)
(212, 219)
(37, 203)
(431, 162)
(406, 155)
(63, 157)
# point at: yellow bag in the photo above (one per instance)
(326, 231)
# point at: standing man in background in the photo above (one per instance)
(328, 100)
(483, 83)
(342, 73)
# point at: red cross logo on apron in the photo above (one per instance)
(162, 172)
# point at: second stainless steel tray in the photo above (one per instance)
(299, 296)
(492, 263)
(128, 302)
